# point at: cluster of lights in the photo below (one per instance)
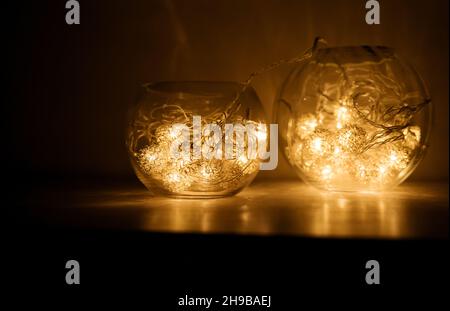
(342, 152)
(186, 173)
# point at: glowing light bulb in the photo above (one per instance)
(393, 157)
(306, 125)
(174, 177)
(362, 171)
(342, 117)
(317, 144)
(326, 172)
(174, 132)
(243, 159)
(150, 157)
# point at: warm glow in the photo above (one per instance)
(150, 157)
(181, 172)
(198, 139)
(342, 156)
(342, 117)
(173, 177)
(326, 172)
(317, 145)
(353, 118)
(243, 160)
(393, 157)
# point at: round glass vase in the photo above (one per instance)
(354, 118)
(177, 138)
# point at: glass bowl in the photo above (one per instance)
(179, 139)
(354, 118)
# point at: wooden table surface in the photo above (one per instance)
(412, 210)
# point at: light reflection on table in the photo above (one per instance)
(413, 210)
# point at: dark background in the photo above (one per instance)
(73, 84)
(68, 88)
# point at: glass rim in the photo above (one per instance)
(354, 54)
(194, 89)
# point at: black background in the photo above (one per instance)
(62, 116)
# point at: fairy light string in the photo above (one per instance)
(341, 140)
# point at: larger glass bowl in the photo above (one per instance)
(354, 118)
